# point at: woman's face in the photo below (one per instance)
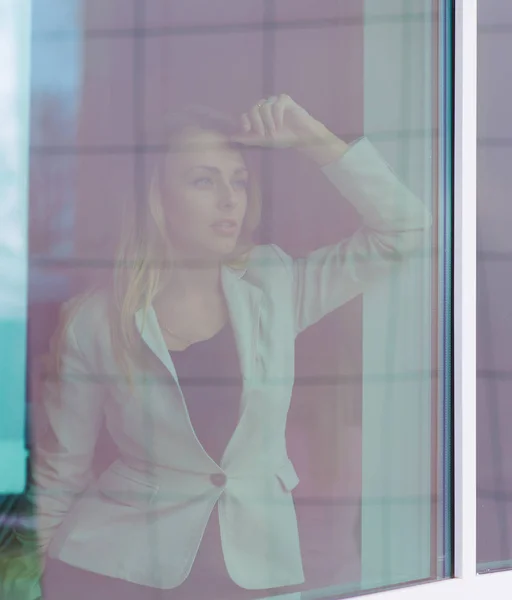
(206, 195)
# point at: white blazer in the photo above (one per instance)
(144, 518)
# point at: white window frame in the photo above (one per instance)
(467, 584)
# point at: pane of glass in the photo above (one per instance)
(405, 333)
(494, 384)
(14, 110)
(239, 340)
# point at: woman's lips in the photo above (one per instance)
(226, 227)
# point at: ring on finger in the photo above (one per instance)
(269, 100)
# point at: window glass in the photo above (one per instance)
(494, 474)
(14, 109)
(239, 351)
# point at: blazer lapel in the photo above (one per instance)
(151, 333)
(244, 304)
(243, 300)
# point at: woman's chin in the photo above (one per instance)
(223, 247)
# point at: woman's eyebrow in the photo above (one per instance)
(217, 170)
(241, 170)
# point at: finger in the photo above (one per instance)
(278, 110)
(246, 123)
(268, 118)
(246, 138)
(256, 120)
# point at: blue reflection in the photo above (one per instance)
(14, 53)
(54, 119)
(55, 15)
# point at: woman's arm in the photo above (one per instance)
(73, 405)
(393, 228)
(394, 220)
(72, 402)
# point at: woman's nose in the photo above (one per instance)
(227, 197)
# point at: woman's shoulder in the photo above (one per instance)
(268, 256)
(86, 314)
(82, 322)
(268, 265)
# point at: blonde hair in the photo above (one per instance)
(144, 247)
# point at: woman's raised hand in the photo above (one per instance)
(279, 122)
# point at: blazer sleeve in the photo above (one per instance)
(394, 223)
(61, 466)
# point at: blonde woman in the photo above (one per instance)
(189, 361)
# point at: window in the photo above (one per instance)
(368, 431)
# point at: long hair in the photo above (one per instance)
(144, 251)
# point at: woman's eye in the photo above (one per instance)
(242, 183)
(203, 182)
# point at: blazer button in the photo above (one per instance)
(218, 479)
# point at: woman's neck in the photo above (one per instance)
(192, 280)
(191, 307)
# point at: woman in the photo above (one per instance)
(189, 360)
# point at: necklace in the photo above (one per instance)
(177, 336)
(181, 338)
